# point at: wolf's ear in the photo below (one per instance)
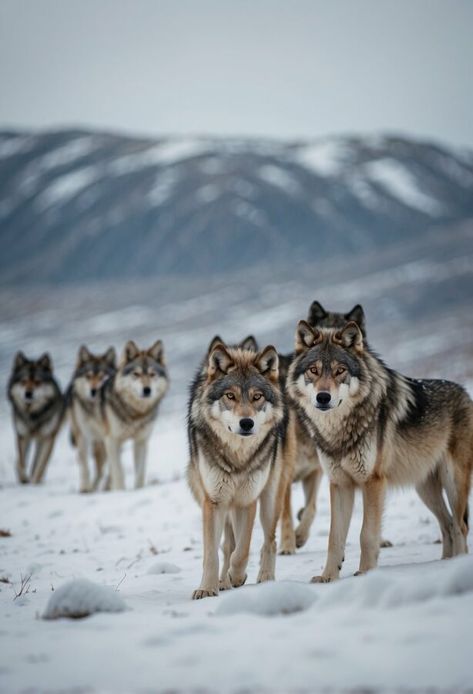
(217, 340)
(219, 360)
(20, 360)
(83, 354)
(267, 363)
(45, 361)
(350, 336)
(316, 313)
(358, 315)
(306, 336)
(249, 343)
(156, 352)
(131, 351)
(110, 357)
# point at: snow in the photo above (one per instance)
(401, 184)
(81, 598)
(325, 158)
(279, 177)
(65, 188)
(406, 626)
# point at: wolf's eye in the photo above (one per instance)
(151, 374)
(314, 370)
(136, 374)
(230, 396)
(257, 396)
(341, 370)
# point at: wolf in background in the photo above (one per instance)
(240, 437)
(374, 427)
(38, 410)
(84, 397)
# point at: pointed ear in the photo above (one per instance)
(217, 340)
(306, 336)
(358, 315)
(350, 336)
(131, 351)
(110, 357)
(156, 352)
(82, 355)
(219, 360)
(267, 363)
(20, 360)
(45, 361)
(249, 343)
(316, 313)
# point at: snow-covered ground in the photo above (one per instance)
(405, 627)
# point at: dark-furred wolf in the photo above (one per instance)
(240, 435)
(374, 427)
(38, 409)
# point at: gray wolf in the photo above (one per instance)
(307, 469)
(374, 427)
(84, 407)
(240, 435)
(38, 409)
(130, 400)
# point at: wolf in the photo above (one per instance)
(240, 435)
(374, 427)
(83, 397)
(38, 409)
(130, 400)
(307, 467)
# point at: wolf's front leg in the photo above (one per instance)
(341, 508)
(113, 448)
(288, 537)
(140, 447)
(228, 548)
(82, 455)
(22, 444)
(311, 485)
(214, 518)
(44, 448)
(373, 504)
(270, 511)
(243, 521)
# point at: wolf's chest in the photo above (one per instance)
(358, 464)
(232, 488)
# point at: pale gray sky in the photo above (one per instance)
(298, 68)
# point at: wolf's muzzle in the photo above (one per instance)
(146, 392)
(246, 425)
(323, 400)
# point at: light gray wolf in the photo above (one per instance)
(84, 397)
(240, 435)
(38, 409)
(307, 469)
(374, 427)
(129, 407)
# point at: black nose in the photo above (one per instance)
(28, 394)
(246, 424)
(93, 392)
(146, 391)
(323, 398)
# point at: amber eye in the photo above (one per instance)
(230, 396)
(136, 374)
(257, 396)
(151, 374)
(341, 370)
(314, 370)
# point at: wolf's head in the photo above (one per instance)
(142, 374)
(92, 370)
(318, 317)
(328, 368)
(241, 391)
(32, 382)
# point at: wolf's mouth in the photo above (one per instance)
(323, 408)
(245, 433)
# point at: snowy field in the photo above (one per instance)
(405, 627)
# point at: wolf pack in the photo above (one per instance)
(259, 421)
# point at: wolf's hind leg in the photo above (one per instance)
(22, 444)
(341, 508)
(456, 480)
(311, 485)
(228, 547)
(243, 521)
(431, 493)
(44, 448)
(288, 536)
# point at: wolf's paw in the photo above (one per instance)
(321, 579)
(385, 543)
(202, 593)
(236, 580)
(287, 548)
(359, 573)
(301, 538)
(300, 512)
(264, 576)
(225, 583)
(24, 480)
(85, 489)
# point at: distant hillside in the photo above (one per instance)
(78, 205)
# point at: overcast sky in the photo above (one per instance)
(298, 68)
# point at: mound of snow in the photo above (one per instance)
(285, 597)
(81, 598)
(163, 567)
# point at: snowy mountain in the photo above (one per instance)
(78, 205)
